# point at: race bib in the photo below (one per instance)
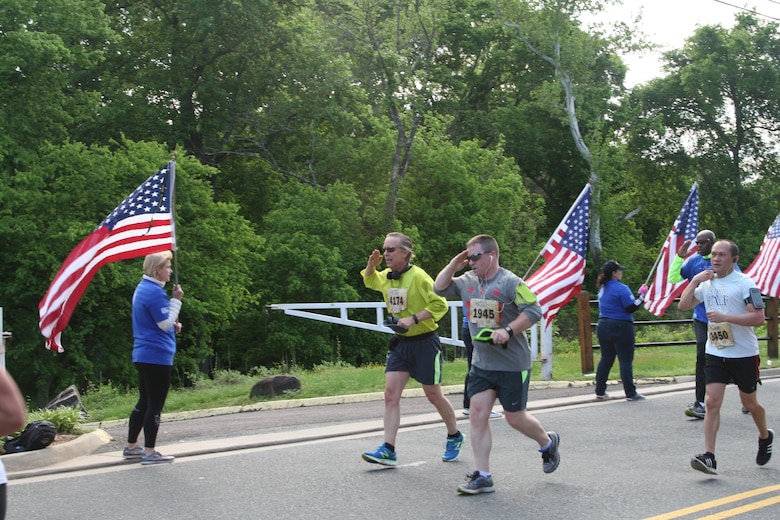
(484, 313)
(720, 334)
(397, 299)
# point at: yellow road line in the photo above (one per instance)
(723, 501)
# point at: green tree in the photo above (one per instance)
(48, 209)
(45, 47)
(314, 251)
(714, 118)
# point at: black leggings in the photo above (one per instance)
(153, 384)
(2, 501)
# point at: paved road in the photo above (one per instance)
(619, 460)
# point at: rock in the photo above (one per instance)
(275, 385)
(69, 398)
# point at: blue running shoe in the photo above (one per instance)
(381, 455)
(551, 458)
(476, 484)
(452, 448)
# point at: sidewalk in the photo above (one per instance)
(79, 454)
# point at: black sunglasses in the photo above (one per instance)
(388, 249)
(700, 242)
(477, 256)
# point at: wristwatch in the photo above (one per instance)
(509, 331)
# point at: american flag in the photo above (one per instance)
(142, 224)
(561, 276)
(765, 269)
(686, 227)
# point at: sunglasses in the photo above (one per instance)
(388, 249)
(477, 256)
(702, 242)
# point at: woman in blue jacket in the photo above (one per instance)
(615, 329)
(155, 324)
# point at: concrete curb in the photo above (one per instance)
(82, 445)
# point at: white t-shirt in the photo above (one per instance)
(728, 295)
(3, 476)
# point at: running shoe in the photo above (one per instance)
(705, 463)
(133, 453)
(156, 458)
(381, 455)
(476, 484)
(496, 415)
(550, 457)
(636, 397)
(765, 449)
(603, 397)
(452, 448)
(695, 410)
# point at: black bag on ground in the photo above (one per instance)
(35, 436)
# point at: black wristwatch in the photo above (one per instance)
(509, 331)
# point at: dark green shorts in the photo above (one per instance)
(511, 387)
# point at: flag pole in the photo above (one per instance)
(655, 265)
(660, 254)
(173, 219)
(564, 219)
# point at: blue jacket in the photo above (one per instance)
(152, 344)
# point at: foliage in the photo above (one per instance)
(310, 129)
(713, 118)
(216, 249)
(66, 420)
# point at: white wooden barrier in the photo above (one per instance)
(309, 311)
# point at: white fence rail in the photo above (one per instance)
(319, 312)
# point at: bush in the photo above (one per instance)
(65, 419)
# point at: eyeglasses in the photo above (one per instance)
(702, 242)
(388, 249)
(477, 256)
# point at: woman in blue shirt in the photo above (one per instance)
(615, 329)
(155, 325)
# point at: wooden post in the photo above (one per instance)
(586, 335)
(771, 327)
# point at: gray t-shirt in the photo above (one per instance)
(514, 298)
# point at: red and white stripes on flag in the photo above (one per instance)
(686, 227)
(561, 276)
(142, 224)
(765, 269)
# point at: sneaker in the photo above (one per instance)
(550, 457)
(765, 449)
(466, 411)
(636, 397)
(156, 458)
(476, 484)
(381, 455)
(745, 410)
(705, 463)
(695, 410)
(452, 448)
(133, 453)
(602, 397)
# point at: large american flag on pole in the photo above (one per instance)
(686, 227)
(142, 224)
(765, 269)
(561, 276)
